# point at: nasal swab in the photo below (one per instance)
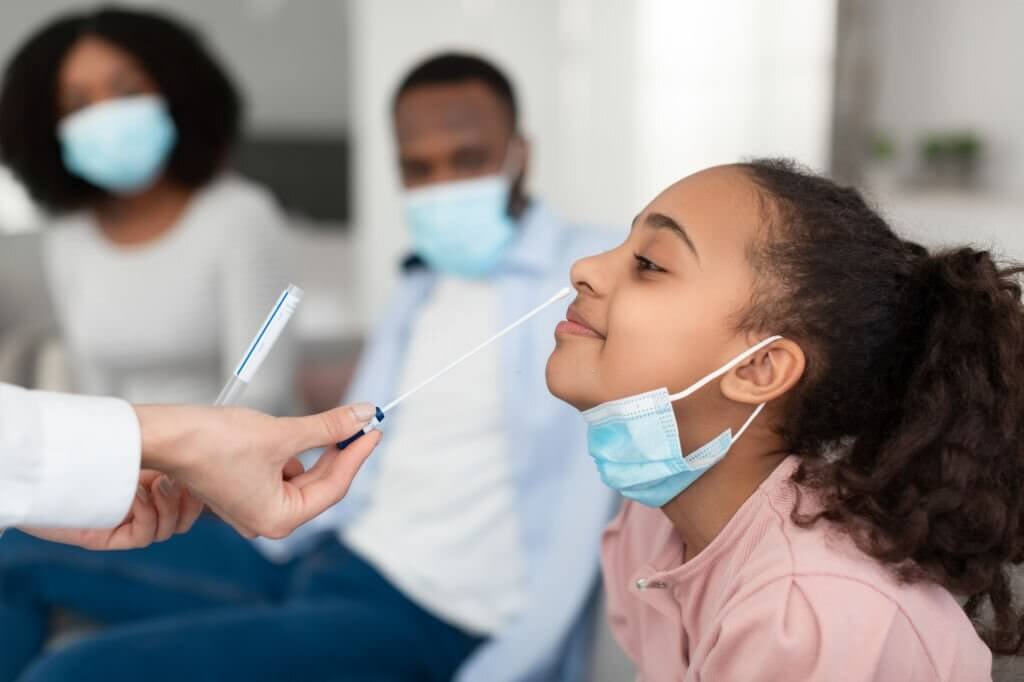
(554, 299)
(381, 412)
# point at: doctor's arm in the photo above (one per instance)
(74, 461)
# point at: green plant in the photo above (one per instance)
(881, 147)
(959, 148)
(934, 149)
(965, 146)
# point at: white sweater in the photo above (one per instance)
(167, 321)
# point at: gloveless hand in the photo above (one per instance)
(242, 462)
(159, 510)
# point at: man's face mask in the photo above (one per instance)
(635, 441)
(120, 145)
(463, 228)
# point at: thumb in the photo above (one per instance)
(327, 428)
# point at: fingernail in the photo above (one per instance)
(142, 494)
(168, 486)
(364, 412)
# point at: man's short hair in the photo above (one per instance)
(451, 68)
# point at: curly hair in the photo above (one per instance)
(201, 98)
(909, 420)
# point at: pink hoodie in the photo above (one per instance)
(769, 601)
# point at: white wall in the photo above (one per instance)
(620, 97)
(955, 63)
(722, 81)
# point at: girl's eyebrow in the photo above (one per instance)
(660, 221)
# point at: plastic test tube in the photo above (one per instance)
(261, 345)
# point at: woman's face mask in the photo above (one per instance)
(120, 145)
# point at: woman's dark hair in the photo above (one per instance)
(909, 419)
(204, 104)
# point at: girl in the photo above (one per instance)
(883, 476)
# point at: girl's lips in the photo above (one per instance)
(575, 329)
(576, 325)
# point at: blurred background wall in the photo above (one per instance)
(928, 116)
(953, 63)
(918, 100)
(618, 99)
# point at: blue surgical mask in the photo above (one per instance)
(635, 441)
(120, 145)
(462, 228)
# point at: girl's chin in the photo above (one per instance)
(565, 385)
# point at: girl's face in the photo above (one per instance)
(661, 309)
(95, 70)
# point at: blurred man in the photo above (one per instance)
(471, 549)
(482, 509)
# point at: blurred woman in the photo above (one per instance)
(161, 264)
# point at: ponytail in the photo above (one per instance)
(939, 490)
(910, 418)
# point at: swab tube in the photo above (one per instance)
(261, 344)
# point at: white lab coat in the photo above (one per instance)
(66, 461)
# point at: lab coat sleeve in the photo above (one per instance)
(65, 460)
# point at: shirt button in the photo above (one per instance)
(644, 584)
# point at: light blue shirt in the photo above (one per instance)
(563, 505)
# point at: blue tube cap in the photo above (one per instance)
(377, 419)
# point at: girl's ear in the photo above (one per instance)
(767, 375)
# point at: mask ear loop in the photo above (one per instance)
(512, 166)
(694, 458)
(512, 161)
(723, 369)
(750, 420)
(717, 373)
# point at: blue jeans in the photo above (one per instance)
(208, 606)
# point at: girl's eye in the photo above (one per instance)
(646, 264)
